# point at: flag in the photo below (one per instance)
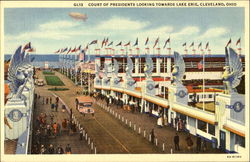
(119, 44)
(136, 42)
(65, 49)
(27, 46)
(184, 44)
(69, 50)
(156, 42)
(57, 51)
(238, 41)
(106, 42)
(200, 64)
(146, 41)
(167, 41)
(79, 48)
(103, 42)
(199, 46)
(229, 42)
(128, 44)
(207, 45)
(192, 45)
(111, 43)
(93, 42)
(74, 50)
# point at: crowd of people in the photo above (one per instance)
(47, 128)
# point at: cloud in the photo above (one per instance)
(78, 16)
(214, 32)
(54, 25)
(121, 23)
(186, 33)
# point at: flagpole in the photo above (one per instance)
(203, 104)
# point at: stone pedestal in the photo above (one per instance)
(178, 93)
(106, 81)
(129, 83)
(16, 113)
(149, 87)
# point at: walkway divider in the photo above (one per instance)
(139, 130)
(163, 147)
(156, 142)
(144, 133)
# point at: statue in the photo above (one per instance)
(129, 67)
(115, 68)
(16, 74)
(148, 68)
(178, 69)
(233, 71)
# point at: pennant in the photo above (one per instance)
(79, 48)
(93, 42)
(119, 44)
(87, 47)
(192, 45)
(146, 41)
(167, 41)
(103, 42)
(199, 46)
(136, 42)
(229, 42)
(111, 43)
(184, 44)
(207, 45)
(128, 44)
(74, 50)
(57, 51)
(106, 42)
(238, 41)
(65, 49)
(156, 42)
(69, 50)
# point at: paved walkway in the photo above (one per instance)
(111, 135)
(77, 146)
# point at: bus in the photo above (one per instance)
(84, 105)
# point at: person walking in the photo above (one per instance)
(152, 136)
(81, 133)
(176, 142)
(51, 149)
(50, 100)
(57, 99)
(52, 107)
(55, 129)
(56, 106)
(59, 129)
(189, 142)
(198, 144)
(59, 150)
(68, 149)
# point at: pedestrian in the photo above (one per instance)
(81, 133)
(55, 129)
(159, 122)
(176, 142)
(56, 106)
(51, 119)
(52, 107)
(68, 149)
(47, 100)
(63, 108)
(64, 123)
(189, 142)
(59, 130)
(204, 145)
(152, 136)
(51, 149)
(48, 130)
(198, 144)
(42, 149)
(43, 101)
(57, 99)
(69, 124)
(59, 150)
(50, 100)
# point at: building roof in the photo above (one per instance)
(84, 99)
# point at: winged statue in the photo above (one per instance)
(233, 71)
(16, 73)
(149, 66)
(129, 67)
(115, 68)
(178, 69)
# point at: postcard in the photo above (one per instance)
(125, 80)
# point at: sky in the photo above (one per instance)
(50, 29)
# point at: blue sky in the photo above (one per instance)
(52, 28)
